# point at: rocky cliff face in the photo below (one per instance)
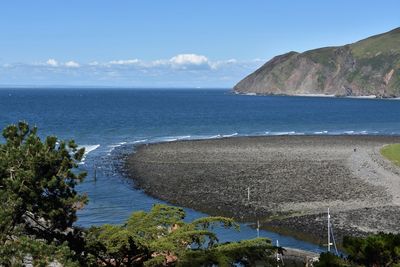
(368, 67)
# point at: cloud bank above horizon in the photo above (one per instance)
(182, 70)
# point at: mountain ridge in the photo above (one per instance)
(367, 67)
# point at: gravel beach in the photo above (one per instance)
(292, 181)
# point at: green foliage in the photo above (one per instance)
(24, 250)
(383, 43)
(37, 191)
(245, 252)
(321, 79)
(375, 250)
(392, 153)
(160, 236)
(324, 56)
(110, 244)
(330, 260)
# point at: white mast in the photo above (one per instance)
(329, 232)
(331, 236)
(258, 228)
(279, 257)
(248, 194)
(277, 253)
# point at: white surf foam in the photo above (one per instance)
(88, 149)
(352, 132)
(112, 147)
(314, 95)
(165, 139)
(363, 97)
(169, 139)
(139, 141)
(230, 135)
(202, 137)
(283, 133)
(183, 137)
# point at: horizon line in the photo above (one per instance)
(107, 87)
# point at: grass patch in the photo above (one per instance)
(392, 153)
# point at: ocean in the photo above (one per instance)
(110, 122)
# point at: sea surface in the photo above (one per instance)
(110, 122)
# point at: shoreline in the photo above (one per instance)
(210, 176)
(319, 95)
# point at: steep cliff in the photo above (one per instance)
(367, 67)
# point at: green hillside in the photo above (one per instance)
(367, 67)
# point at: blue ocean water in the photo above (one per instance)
(109, 122)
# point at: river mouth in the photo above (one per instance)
(114, 195)
(292, 181)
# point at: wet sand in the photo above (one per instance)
(292, 181)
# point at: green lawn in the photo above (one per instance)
(392, 153)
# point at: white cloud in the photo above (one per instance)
(180, 70)
(157, 63)
(124, 62)
(72, 64)
(223, 63)
(52, 62)
(183, 59)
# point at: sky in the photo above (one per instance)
(171, 43)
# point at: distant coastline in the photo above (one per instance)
(317, 95)
(292, 181)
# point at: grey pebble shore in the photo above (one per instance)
(292, 181)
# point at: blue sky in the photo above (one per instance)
(171, 43)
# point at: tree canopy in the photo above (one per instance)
(38, 182)
(37, 191)
(160, 237)
(382, 249)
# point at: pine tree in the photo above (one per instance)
(37, 192)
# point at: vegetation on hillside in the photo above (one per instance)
(367, 67)
(381, 43)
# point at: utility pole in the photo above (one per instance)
(248, 194)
